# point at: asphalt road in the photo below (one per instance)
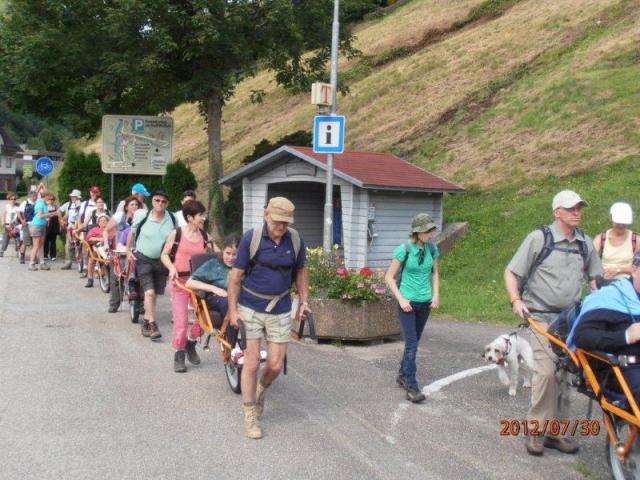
(83, 395)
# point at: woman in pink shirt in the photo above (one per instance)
(193, 241)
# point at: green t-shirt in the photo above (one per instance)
(416, 279)
(154, 234)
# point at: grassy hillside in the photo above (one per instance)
(513, 99)
(499, 219)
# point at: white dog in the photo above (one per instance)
(511, 351)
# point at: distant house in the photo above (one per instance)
(9, 150)
(375, 197)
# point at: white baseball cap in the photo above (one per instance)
(621, 213)
(567, 199)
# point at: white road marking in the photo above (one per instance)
(443, 382)
(429, 389)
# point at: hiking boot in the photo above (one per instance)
(113, 309)
(145, 328)
(89, 283)
(154, 333)
(178, 361)
(44, 266)
(401, 381)
(32, 267)
(414, 395)
(261, 391)
(535, 445)
(192, 355)
(562, 444)
(251, 425)
(66, 266)
(22, 258)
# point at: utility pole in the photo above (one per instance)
(327, 238)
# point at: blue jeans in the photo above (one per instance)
(412, 324)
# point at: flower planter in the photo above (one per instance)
(337, 319)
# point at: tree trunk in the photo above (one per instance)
(214, 172)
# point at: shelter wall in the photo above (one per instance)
(393, 215)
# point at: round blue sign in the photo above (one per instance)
(44, 166)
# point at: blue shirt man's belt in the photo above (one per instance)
(274, 299)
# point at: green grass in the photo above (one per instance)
(472, 284)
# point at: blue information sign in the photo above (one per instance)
(328, 134)
(44, 166)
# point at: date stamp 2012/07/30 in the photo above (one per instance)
(556, 427)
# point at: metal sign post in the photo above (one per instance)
(327, 235)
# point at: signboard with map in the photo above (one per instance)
(136, 144)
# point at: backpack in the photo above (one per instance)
(407, 251)
(254, 246)
(29, 211)
(146, 217)
(603, 239)
(548, 247)
(176, 242)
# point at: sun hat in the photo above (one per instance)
(33, 189)
(281, 209)
(102, 215)
(75, 193)
(567, 199)
(621, 213)
(140, 188)
(422, 222)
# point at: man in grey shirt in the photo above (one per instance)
(542, 290)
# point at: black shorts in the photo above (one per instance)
(151, 274)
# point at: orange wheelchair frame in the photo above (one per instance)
(101, 265)
(622, 424)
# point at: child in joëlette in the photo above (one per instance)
(96, 233)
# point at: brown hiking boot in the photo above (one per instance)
(535, 445)
(145, 328)
(261, 391)
(154, 333)
(251, 425)
(562, 444)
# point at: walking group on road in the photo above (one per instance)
(250, 280)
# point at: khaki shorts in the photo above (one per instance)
(276, 326)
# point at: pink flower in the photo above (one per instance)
(374, 286)
(360, 285)
(341, 271)
(344, 296)
(366, 271)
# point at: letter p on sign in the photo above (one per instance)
(138, 125)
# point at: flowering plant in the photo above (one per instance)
(329, 278)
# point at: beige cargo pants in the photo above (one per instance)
(549, 389)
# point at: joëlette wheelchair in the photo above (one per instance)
(232, 341)
(599, 376)
(101, 264)
(127, 284)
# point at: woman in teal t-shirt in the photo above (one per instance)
(37, 229)
(417, 293)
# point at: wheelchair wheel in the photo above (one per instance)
(134, 311)
(233, 373)
(103, 278)
(629, 469)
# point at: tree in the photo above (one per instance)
(75, 60)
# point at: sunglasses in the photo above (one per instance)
(421, 256)
(160, 200)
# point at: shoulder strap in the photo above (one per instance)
(176, 244)
(634, 241)
(173, 219)
(205, 238)
(603, 239)
(582, 247)
(141, 224)
(256, 236)
(547, 247)
(295, 239)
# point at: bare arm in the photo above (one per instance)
(511, 282)
(205, 287)
(390, 280)
(435, 285)
(302, 284)
(233, 292)
(164, 256)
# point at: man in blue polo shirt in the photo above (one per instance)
(262, 301)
